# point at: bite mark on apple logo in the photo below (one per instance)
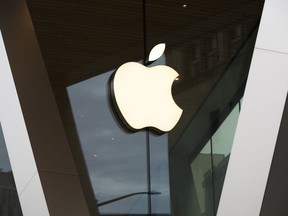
(142, 96)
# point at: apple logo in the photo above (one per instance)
(142, 97)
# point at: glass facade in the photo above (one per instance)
(9, 200)
(209, 166)
(113, 170)
(117, 161)
(209, 44)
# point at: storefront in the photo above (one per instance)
(62, 55)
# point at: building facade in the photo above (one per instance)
(69, 154)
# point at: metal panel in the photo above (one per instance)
(275, 199)
(18, 144)
(259, 119)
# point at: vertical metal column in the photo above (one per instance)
(260, 116)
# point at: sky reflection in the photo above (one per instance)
(116, 160)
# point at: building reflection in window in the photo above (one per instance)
(9, 201)
(209, 166)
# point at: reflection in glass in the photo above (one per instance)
(160, 174)
(210, 165)
(222, 141)
(212, 53)
(202, 172)
(116, 161)
(9, 201)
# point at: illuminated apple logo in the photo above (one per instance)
(142, 96)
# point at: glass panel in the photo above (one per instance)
(240, 103)
(209, 180)
(116, 161)
(202, 43)
(9, 201)
(202, 176)
(223, 138)
(160, 174)
(222, 142)
(210, 47)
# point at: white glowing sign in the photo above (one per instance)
(143, 97)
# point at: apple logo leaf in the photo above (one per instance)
(156, 52)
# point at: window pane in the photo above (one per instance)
(116, 161)
(202, 176)
(222, 141)
(160, 174)
(9, 201)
